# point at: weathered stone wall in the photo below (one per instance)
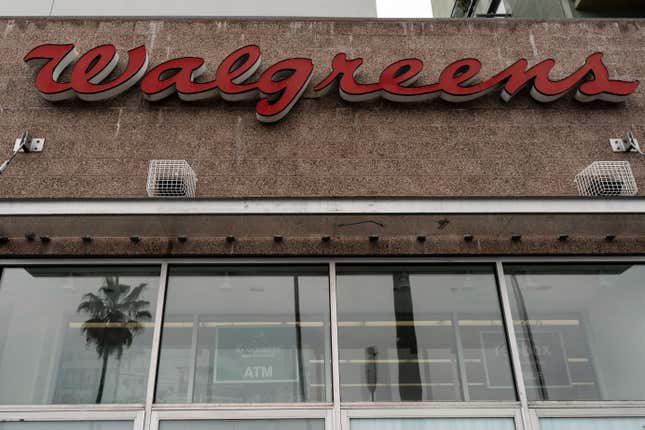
(324, 147)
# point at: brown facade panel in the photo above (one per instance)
(312, 247)
(320, 235)
(325, 147)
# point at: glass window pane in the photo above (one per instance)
(266, 424)
(592, 423)
(246, 335)
(543, 9)
(76, 334)
(421, 333)
(434, 424)
(579, 329)
(67, 425)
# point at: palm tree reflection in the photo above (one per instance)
(116, 313)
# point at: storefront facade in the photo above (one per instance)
(361, 252)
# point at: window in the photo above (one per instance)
(264, 424)
(579, 329)
(249, 346)
(67, 425)
(542, 9)
(76, 334)
(592, 423)
(433, 424)
(421, 333)
(246, 335)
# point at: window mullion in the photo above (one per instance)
(156, 343)
(335, 354)
(513, 346)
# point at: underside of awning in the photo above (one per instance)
(322, 228)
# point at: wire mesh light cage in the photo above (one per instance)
(606, 179)
(171, 178)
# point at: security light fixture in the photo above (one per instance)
(606, 179)
(171, 178)
(24, 143)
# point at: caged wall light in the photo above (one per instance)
(606, 179)
(171, 178)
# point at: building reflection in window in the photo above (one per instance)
(76, 334)
(578, 330)
(246, 334)
(421, 333)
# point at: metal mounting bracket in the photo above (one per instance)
(32, 145)
(626, 144)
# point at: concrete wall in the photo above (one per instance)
(325, 147)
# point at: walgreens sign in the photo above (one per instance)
(279, 87)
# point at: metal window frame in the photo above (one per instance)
(156, 345)
(80, 414)
(115, 410)
(335, 349)
(450, 412)
(249, 413)
(336, 414)
(19, 262)
(598, 412)
(509, 328)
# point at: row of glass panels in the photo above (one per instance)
(261, 334)
(435, 423)
(356, 424)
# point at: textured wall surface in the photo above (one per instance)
(325, 147)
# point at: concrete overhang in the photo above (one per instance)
(322, 227)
